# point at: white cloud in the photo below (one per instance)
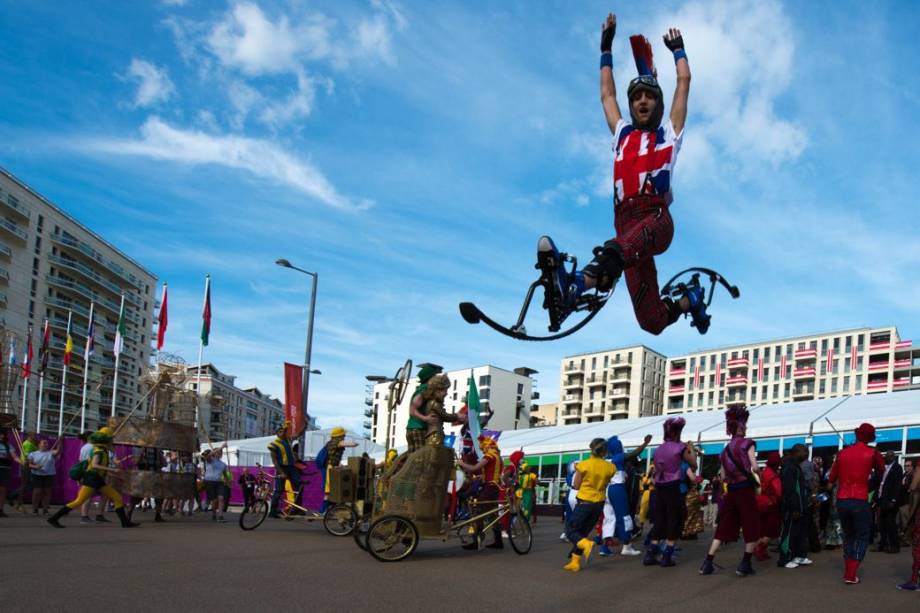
(246, 39)
(173, 2)
(154, 85)
(373, 38)
(260, 157)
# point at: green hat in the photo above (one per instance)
(427, 372)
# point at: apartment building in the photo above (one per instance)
(834, 364)
(244, 412)
(52, 266)
(546, 414)
(622, 383)
(508, 393)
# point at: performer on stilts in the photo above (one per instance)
(739, 461)
(645, 153)
(93, 481)
(669, 503)
(618, 522)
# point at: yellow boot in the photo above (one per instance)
(586, 545)
(574, 565)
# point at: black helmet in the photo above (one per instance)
(649, 84)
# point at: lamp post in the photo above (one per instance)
(306, 368)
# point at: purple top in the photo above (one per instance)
(739, 447)
(667, 460)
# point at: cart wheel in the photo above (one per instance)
(339, 520)
(520, 534)
(253, 516)
(392, 538)
(359, 533)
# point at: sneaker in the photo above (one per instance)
(563, 537)
(910, 586)
(851, 581)
(802, 561)
(86, 520)
(604, 551)
(629, 550)
(707, 567)
(791, 564)
(696, 295)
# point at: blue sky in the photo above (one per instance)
(413, 152)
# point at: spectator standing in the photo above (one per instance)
(42, 466)
(794, 536)
(889, 501)
(18, 496)
(214, 469)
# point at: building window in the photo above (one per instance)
(821, 388)
(776, 391)
(520, 389)
(786, 391)
(485, 380)
(846, 384)
(833, 386)
(824, 346)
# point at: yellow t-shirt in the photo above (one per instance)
(595, 475)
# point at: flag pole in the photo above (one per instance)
(25, 392)
(26, 367)
(205, 330)
(41, 389)
(64, 379)
(119, 343)
(86, 353)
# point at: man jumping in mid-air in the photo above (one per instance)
(645, 152)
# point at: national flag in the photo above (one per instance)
(853, 352)
(760, 370)
(782, 367)
(90, 334)
(206, 314)
(27, 358)
(68, 345)
(719, 374)
(163, 320)
(696, 377)
(472, 405)
(12, 352)
(121, 330)
(830, 361)
(43, 350)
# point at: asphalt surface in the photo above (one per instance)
(192, 564)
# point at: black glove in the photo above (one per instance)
(607, 37)
(675, 43)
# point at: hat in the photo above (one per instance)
(337, 432)
(774, 459)
(486, 442)
(865, 433)
(516, 458)
(427, 372)
(102, 437)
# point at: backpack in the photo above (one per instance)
(78, 470)
(322, 458)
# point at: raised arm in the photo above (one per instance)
(608, 89)
(638, 450)
(675, 42)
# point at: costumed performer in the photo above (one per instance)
(590, 482)
(771, 492)
(490, 467)
(618, 522)
(669, 503)
(419, 420)
(912, 531)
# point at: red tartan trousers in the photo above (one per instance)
(644, 229)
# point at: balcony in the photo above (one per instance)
(575, 368)
(594, 380)
(802, 393)
(4, 275)
(901, 383)
(369, 401)
(902, 364)
(903, 345)
(3, 301)
(736, 381)
(367, 425)
(805, 354)
(571, 412)
(86, 292)
(880, 345)
(13, 204)
(572, 382)
(876, 366)
(97, 257)
(621, 374)
(802, 373)
(738, 363)
(5, 250)
(571, 399)
(88, 273)
(676, 391)
(12, 228)
(877, 386)
(368, 412)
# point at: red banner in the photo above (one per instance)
(293, 396)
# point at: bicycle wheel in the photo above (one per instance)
(392, 538)
(339, 520)
(359, 532)
(520, 534)
(253, 516)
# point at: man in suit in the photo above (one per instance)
(889, 500)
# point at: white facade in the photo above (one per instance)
(506, 392)
(622, 383)
(51, 264)
(835, 364)
(246, 413)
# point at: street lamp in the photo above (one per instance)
(306, 379)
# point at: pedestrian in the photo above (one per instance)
(190, 468)
(793, 546)
(92, 480)
(214, 469)
(43, 469)
(889, 501)
(810, 473)
(768, 504)
(739, 461)
(913, 530)
(247, 483)
(18, 495)
(590, 482)
(669, 504)
(6, 463)
(852, 469)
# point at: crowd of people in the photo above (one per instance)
(793, 505)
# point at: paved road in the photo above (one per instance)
(192, 564)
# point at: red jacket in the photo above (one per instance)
(771, 490)
(853, 467)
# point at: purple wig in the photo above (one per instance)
(673, 426)
(736, 418)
